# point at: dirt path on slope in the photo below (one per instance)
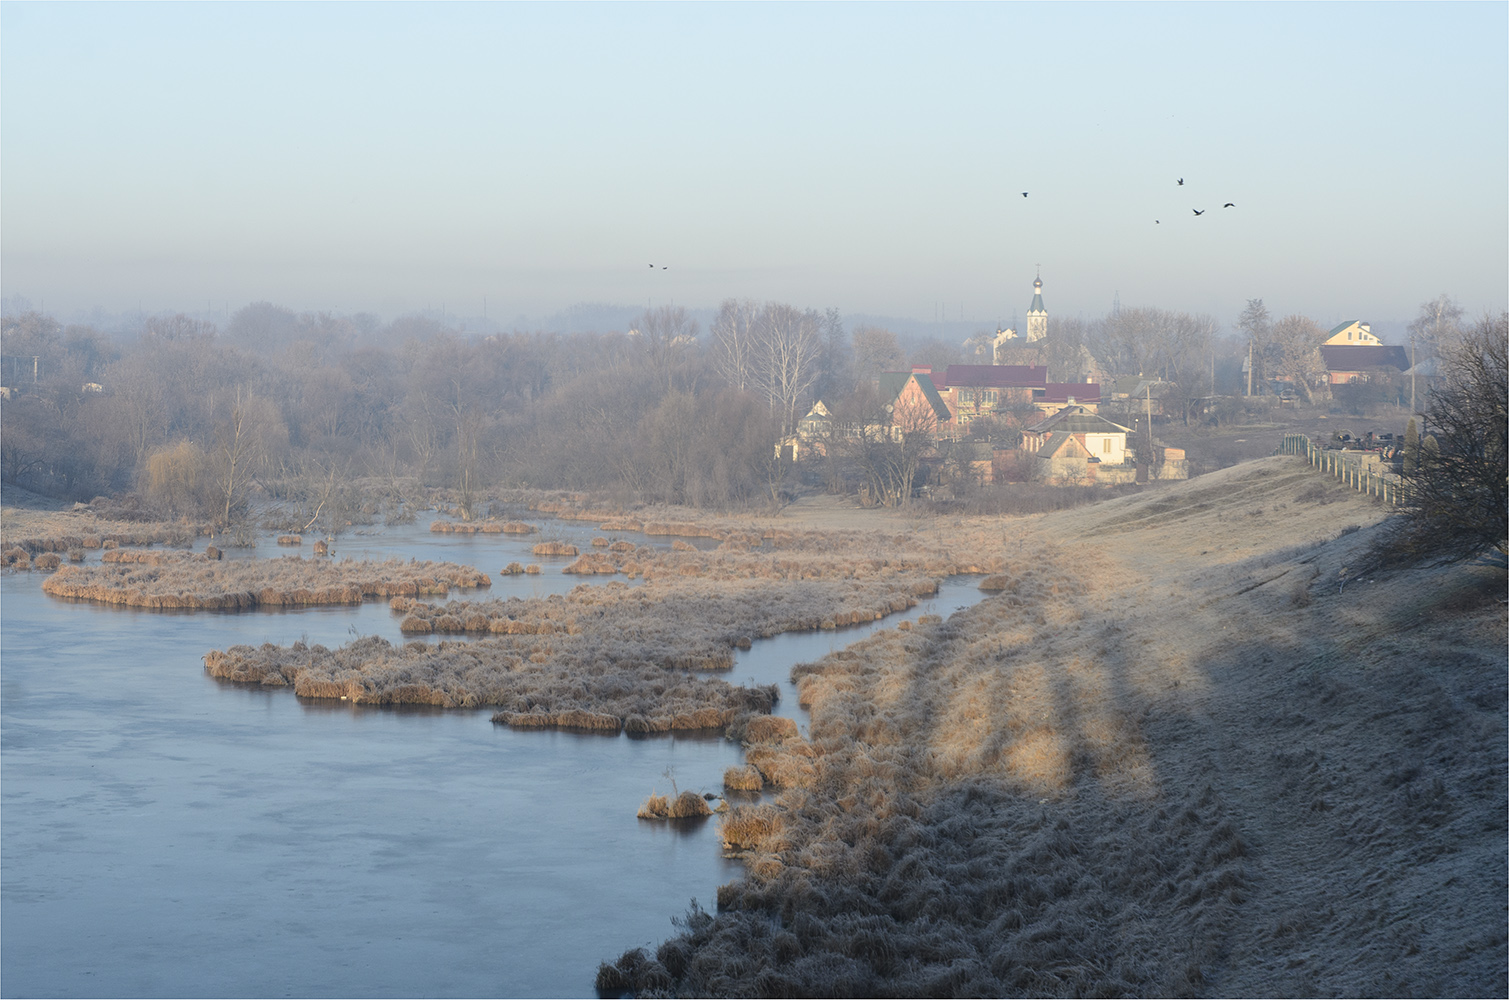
(1355, 725)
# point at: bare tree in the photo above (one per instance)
(734, 336)
(888, 445)
(1456, 496)
(667, 335)
(1437, 328)
(875, 351)
(245, 438)
(1298, 341)
(789, 356)
(1257, 330)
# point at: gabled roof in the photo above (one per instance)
(1361, 359)
(996, 376)
(1062, 392)
(892, 384)
(1063, 445)
(1341, 327)
(1077, 420)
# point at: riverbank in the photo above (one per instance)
(1202, 754)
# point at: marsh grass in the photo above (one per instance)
(934, 836)
(533, 683)
(183, 580)
(135, 535)
(687, 805)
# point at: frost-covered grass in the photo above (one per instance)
(184, 580)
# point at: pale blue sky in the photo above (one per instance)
(869, 157)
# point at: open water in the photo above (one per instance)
(163, 833)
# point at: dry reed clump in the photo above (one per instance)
(478, 528)
(687, 805)
(771, 729)
(47, 561)
(513, 569)
(110, 543)
(211, 552)
(995, 583)
(622, 524)
(679, 546)
(592, 563)
(533, 569)
(745, 778)
(290, 539)
(76, 555)
(519, 528)
(533, 682)
(622, 545)
(322, 548)
(554, 549)
(16, 555)
(184, 580)
(600, 542)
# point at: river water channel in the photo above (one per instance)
(163, 833)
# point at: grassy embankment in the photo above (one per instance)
(183, 580)
(1178, 756)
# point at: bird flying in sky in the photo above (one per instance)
(1230, 204)
(1181, 182)
(1198, 211)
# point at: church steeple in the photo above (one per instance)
(1037, 313)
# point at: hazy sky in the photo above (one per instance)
(869, 157)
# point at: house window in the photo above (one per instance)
(1105, 446)
(965, 396)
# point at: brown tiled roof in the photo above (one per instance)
(1363, 358)
(1060, 392)
(996, 376)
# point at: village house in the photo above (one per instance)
(1096, 436)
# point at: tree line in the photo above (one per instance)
(193, 417)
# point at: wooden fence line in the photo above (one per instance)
(1333, 462)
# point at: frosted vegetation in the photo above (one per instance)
(193, 581)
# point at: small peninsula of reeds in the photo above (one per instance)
(183, 580)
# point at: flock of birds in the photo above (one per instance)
(1158, 222)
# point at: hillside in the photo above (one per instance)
(1193, 752)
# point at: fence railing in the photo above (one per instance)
(1344, 465)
